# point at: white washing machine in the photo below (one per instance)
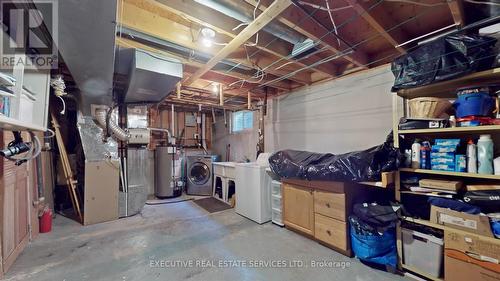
(199, 174)
(253, 194)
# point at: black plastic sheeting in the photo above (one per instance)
(366, 165)
(443, 59)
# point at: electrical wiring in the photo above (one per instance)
(335, 56)
(219, 44)
(63, 104)
(443, 3)
(240, 25)
(256, 41)
(59, 87)
(310, 94)
(482, 3)
(333, 22)
(271, 42)
(420, 3)
(283, 65)
(323, 8)
(52, 134)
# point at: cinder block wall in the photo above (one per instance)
(347, 114)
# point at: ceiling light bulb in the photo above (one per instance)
(207, 32)
(207, 42)
(215, 88)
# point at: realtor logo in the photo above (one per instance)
(29, 35)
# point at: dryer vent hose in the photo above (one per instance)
(118, 132)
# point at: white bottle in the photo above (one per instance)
(471, 157)
(415, 155)
(496, 166)
(453, 121)
(485, 155)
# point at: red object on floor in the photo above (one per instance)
(46, 221)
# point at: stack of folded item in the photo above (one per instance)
(444, 155)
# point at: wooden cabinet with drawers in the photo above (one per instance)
(320, 210)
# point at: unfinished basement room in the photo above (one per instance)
(259, 140)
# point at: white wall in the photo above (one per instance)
(347, 114)
(243, 144)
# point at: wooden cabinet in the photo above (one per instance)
(319, 210)
(330, 204)
(331, 231)
(15, 208)
(298, 208)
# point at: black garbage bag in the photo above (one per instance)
(379, 217)
(371, 245)
(366, 165)
(442, 59)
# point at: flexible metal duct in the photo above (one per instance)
(118, 132)
(244, 13)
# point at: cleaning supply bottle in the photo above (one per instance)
(425, 155)
(471, 157)
(485, 155)
(415, 154)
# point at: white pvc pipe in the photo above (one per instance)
(172, 122)
(426, 35)
(203, 128)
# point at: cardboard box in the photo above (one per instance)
(476, 187)
(441, 184)
(472, 223)
(471, 257)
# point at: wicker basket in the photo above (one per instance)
(428, 107)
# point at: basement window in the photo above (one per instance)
(242, 120)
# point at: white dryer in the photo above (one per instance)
(253, 194)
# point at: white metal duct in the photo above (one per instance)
(151, 77)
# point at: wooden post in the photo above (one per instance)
(221, 95)
(249, 100)
(178, 90)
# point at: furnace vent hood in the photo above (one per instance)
(150, 77)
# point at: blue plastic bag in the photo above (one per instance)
(380, 249)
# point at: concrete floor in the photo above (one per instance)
(162, 241)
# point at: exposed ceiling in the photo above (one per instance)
(253, 49)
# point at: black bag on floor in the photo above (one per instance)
(380, 217)
(443, 59)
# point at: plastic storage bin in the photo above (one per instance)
(277, 217)
(423, 252)
(276, 202)
(276, 188)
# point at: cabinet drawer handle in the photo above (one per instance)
(329, 232)
(328, 205)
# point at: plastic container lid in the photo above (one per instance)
(485, 137)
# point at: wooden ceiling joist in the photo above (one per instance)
(264, 18)
(224, 25)
(457, 11)
(380, 24)
(300, 21)
(136, 17)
